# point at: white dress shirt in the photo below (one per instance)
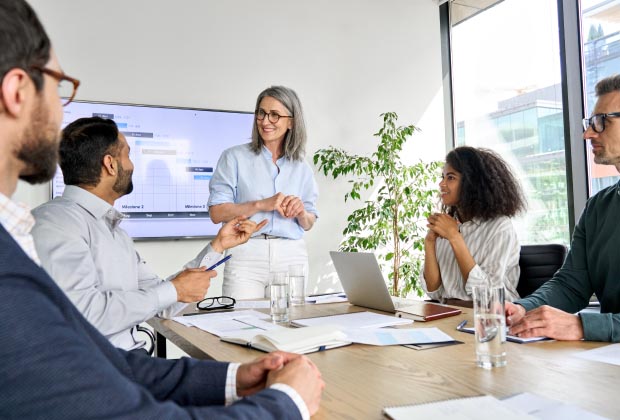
(495, 248)
(82, 247)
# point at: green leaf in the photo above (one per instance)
(392, 223)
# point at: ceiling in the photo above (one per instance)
(464, 9)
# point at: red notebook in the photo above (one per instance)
(426, 311)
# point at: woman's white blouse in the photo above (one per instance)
(494, 246)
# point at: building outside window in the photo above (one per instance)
(507, 96)
(601, 55)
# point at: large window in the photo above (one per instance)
(601, 54)
(507, 96)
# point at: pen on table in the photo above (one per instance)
(461, 325)
(208, 312)
(222, 261)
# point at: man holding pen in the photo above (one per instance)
(83, 248)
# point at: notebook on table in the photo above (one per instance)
(363, 282)
(293, 340)
(424, 311)
(472, 408)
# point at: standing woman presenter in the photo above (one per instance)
(267, 178)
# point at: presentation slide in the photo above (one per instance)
(174, 151)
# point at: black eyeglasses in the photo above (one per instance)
(213, 303)
(67, 85)
(597, 121)
(273, 116)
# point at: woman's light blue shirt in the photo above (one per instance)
(242, 175)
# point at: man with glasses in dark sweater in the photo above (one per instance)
(593, 262)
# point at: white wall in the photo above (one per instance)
(348, 60)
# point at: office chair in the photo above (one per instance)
(150, 336)
(538, 264)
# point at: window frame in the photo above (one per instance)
(573, 101)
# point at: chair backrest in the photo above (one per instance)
(150, 336)
(538, 264)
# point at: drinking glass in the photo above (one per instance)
(490, 326)
(280, 296)
(297, 282)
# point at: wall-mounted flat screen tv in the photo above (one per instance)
(174, 151)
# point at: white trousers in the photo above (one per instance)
(246, 274)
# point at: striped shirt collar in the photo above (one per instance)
(15, 217)
(470, 224)
(18, 222)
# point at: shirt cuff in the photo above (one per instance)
(230, 393)
(166, 295)
(596, 326)
(210, 258)
(526, 303)
(476, 277)
(294, 395)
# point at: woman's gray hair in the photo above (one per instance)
(608, 85)
(294, 147)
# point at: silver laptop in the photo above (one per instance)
(363, 281)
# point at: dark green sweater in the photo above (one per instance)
(592, 266)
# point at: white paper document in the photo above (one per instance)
(397, 336)
(331, 298)
(252, 304)
(546, 409)
(607, 354)
(521, 406)
(474, 408)
(354, 320)
(226, 323)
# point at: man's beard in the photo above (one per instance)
(602, 160)
(123, 184)
(39, 150)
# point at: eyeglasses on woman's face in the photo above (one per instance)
(273, 116)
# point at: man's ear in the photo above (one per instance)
(13, 91)
(109, 165)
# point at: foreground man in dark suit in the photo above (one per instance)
(54, 364)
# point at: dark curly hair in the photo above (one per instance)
(488, 188)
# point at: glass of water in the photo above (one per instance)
(490, 326)
(297, 281)
(279, 292)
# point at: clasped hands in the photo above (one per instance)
(288, 206)
(441, 225)
(544, 321)
(294, 370)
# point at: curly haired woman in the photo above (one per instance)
(473, 240)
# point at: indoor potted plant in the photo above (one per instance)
(393, 222)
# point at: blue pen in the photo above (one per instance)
(222, 261)
(461, 325)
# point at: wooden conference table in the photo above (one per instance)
(361, 380)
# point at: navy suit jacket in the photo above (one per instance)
(55, 365)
